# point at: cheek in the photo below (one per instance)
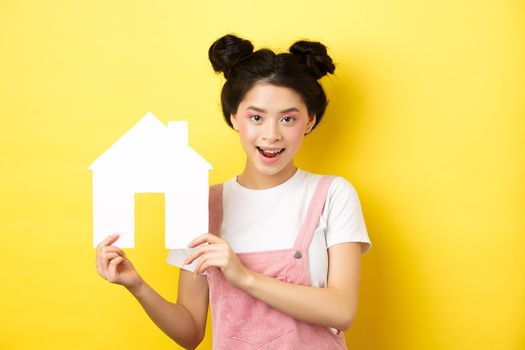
(295, 136)
(247, 132)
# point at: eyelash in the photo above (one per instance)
(292, 119)
(253, 116)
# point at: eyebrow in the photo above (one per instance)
(293, 109)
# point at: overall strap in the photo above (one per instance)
(313, 214)
(215, 209)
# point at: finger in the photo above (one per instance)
(113, 273)
(198, 252)
(207, 237)
(101, 258)
(117, 250)
(205, 261)
(216, 262)
(97, 260)
(103, 267)
(108, 257)
(108, 240)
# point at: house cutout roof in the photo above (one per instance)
(150, 143)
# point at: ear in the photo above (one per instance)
(310, 124)
(233, 120)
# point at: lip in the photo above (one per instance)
(277, 150)
(270, 148)
(269, 159)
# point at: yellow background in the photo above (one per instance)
(426, 119)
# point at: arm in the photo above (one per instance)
(184, 321)
(334, 306)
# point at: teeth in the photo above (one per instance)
(269, 152)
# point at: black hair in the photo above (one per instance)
(299, 70)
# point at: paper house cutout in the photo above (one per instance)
(151, 158)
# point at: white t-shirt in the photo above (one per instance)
(270, 219)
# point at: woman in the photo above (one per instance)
(282, 264)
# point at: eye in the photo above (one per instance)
(288, 120)
(255, 118)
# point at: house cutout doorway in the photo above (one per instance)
(150, 220)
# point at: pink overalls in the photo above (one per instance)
(240, 321)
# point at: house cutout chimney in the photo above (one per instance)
(151, 158)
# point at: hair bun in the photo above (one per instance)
(225, 52)
(314, 55)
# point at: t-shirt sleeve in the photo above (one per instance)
(177, 256)
(344, 217)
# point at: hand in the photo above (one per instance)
(218, 253)
(113, 265)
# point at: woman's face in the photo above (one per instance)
(272, 122)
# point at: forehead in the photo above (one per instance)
(271, 97)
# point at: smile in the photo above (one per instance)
(270, 152)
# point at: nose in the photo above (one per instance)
(271, 132)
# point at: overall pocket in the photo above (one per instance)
(251, 320)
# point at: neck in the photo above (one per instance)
(253, 179)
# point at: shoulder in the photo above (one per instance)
(342, 197)
(342, 201)
(339, 186)
(343, 215)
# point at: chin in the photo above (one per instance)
(270, 172)
(275, 170)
